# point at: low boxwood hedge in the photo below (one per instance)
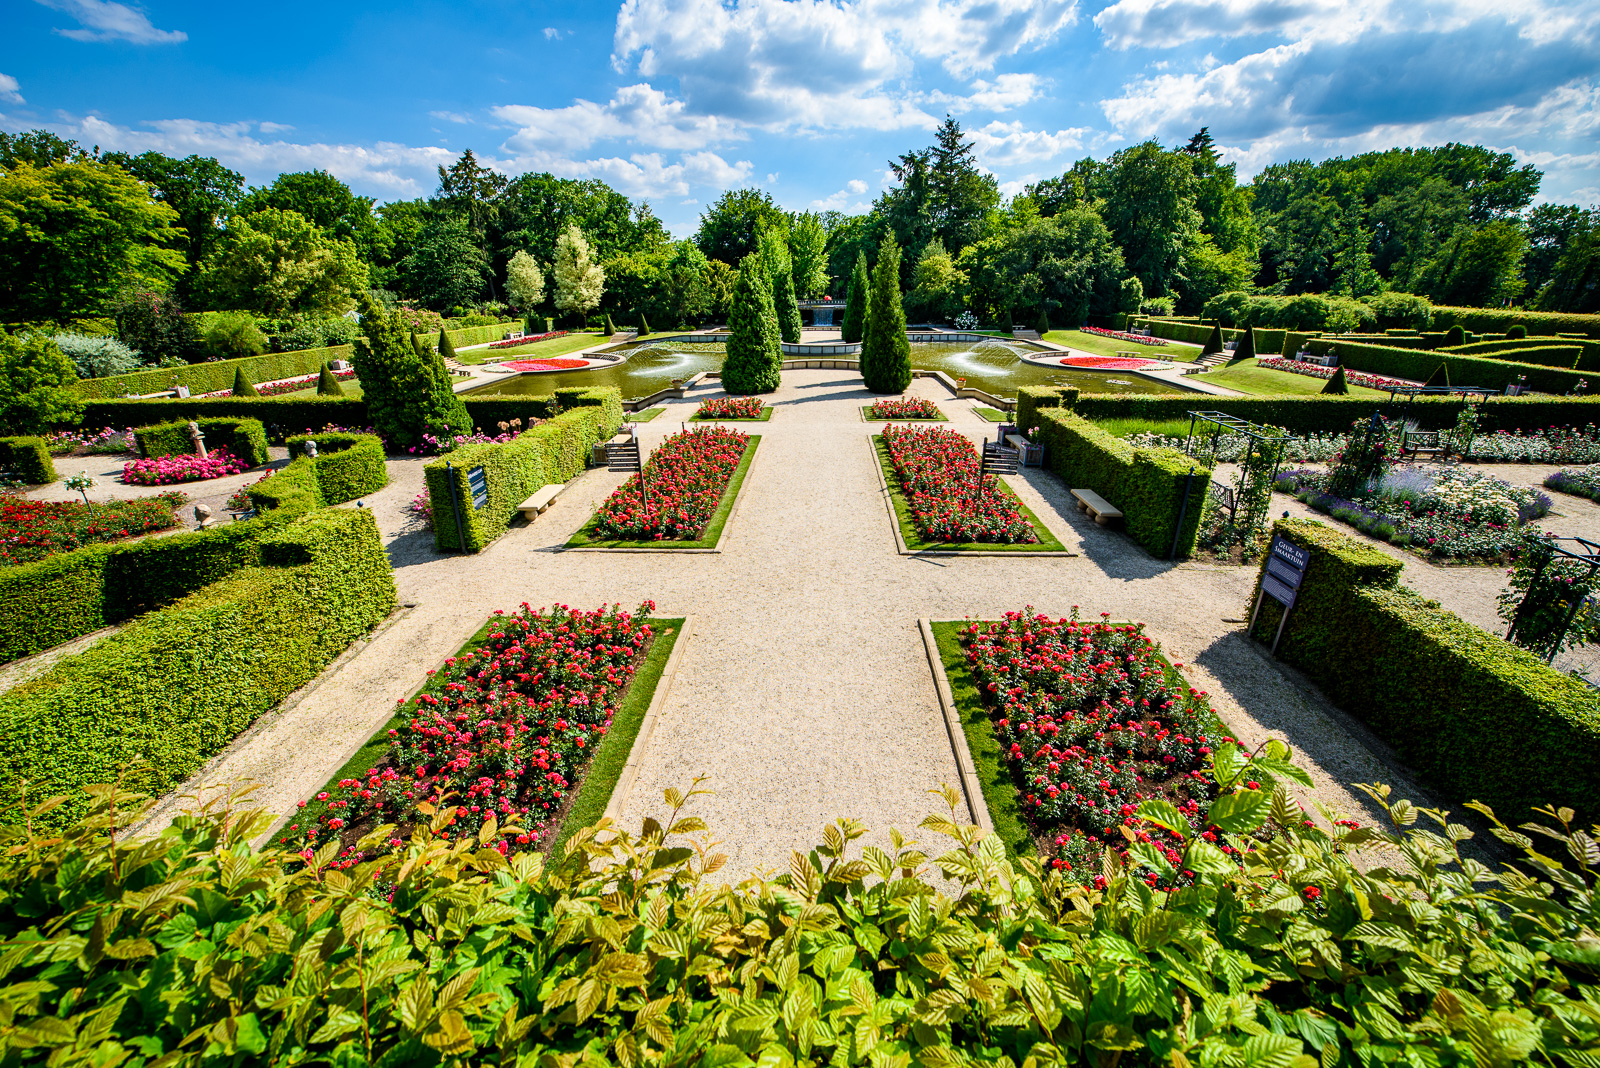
(28, 459)
(281, 415)
(347, 466)
(218, 374)
(1499, 320)
(155, 700)
(1542, 350)
(1418, 365)
(1482, 718)
(552, 452)
(1331, 414)
(245, 439)
(1146, 484)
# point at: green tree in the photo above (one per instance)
(938, 290)
(731, 228)
(329, 205)
(1132, 295)
(524, 282)
(41, 148)
(1478, 268)
(686, 284)
(201, 190)
(278, 262)
(755, 357)
(885, 352)
(1150, 210)
(536, 209)
(808, 249)
(1574, 284)
(1066, 264)
(234, 335)
(407, 394)
(328, 384)
(242, 386)
(445, 348)
(1551, 230)
(855, 303)
(155, 324)
(780, 271)
(74, 234)
(580, 281)
(446, 268)
(474, 194)
(36, 381)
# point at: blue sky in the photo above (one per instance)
(676, 100)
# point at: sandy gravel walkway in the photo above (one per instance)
(804, 693)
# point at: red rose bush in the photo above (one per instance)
(730, 408)
(506, 730)
(679, 489)
(906, 408)
(32, 530)
(938, 472)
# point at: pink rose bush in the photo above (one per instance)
(1138, 339)
(526, 339)
(166, 470)
(1089, 725)
(906, 408)
(686, 474)
(503, 732)
(1315, 370)
(937, 469)
(731, 408)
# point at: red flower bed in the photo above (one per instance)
(938, 472)
(557, 364)
(291, 385)
(526, 339)
(906, 408)
(1314, 370)
(32, 530)
(1088, 727)
(165, 470)
(1108, 363)
(1137, 339)
(502, 732)
(687, 474)
(731, 408)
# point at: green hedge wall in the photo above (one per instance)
(243, 438)
(551, 452)
(1193, 333)
(1329, 414)
(488, 412)
(478, 335)
(175, 687)
(1499, 320)
(28, 459)
(218, 374)
(347, 466)
(1463, 370)
(284, 415)
(1031, 398)
(1146, 484)
(1524, 350)
(1484, 719)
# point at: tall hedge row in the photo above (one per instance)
(28, 458)
(216, 375)
(347, 465)
(158, 698)
(1463, 370)
(550, 453)
(1533, 350)
(297, 415)
(1328, 414)
(1146, 484)
(1484, 719)
(245, 439)
(1499, 320)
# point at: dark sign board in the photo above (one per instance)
(478, 482)
(1285, 571)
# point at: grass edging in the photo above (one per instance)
(644, 416)
(868, 417)
(993, 415)
(765, 416)
(584, 538)
(1047, 543)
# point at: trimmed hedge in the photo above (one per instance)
(157, 699)
(1542, 350)
(1484, 719)
(28, 458)
(1499, 320)
(245, 439)
(1463, 370)
(214, 376)
(284, 415)
(479, 335)
(347, 465)
(1146, 484)
(1319, 413)
(551, 452)
(488, 412)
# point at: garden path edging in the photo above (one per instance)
(971, 785)
(623, 790)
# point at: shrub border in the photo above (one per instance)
(707, 543)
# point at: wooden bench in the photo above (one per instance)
(1097, 506)
(1416, 442)
(541, 500)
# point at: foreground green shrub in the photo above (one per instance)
(1479, 716)
(159, 697)
(347, 466)
(196, 948)
(28, 459)
(245, 439)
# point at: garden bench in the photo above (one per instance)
(1416, 442)
(1097, 506)
(541, 500)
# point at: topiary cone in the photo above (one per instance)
(1337, 383)
(446, 349)
(328, 383)
(610, 327)
(1213, 340)
(242, 386)
(1440, 376)
(644, 325)
(1043, 324)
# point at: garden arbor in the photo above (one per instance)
(1250, 498)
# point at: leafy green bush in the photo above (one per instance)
(244, 438)
(1311, 948)
(214, 376)
(96, 356)
(174, 687)
(347, 466)
(1146, 484)
(235, 336)
(1481, 717)
(552, 452)
(27, 459)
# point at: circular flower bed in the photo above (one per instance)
(1109, 363)
(556, 364)
(166, 470)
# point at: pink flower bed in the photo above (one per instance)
(526, 339)
(290, 385)
(557, 364)
(1108, 363)
(1313, 370)
(165, 470)
(1138, 339)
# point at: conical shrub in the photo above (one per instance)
(1043, 324)
(855, 302)
(242, 386)
(1337, 383)
(885, 352)
(1247, 345)
(1213, 340)
(328, 384)
(610, 327)
(1440, 376)
(755, 354)
(445, 348)
(644, 325)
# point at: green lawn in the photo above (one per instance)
(556, 346)
(1124, 428)
(994, 415)
(585, 538)
(1246, 377)
(352, 389)
(1047, 542)
(1107, 346)
(644, 416)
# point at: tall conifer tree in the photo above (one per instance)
(755, 356)
(855, 302)
(885, 352)
(407, 393)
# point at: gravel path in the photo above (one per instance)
(804, 693)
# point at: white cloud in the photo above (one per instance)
(1007, 91)
(856, 186)
(552, 34)
(1006, 144)
(273, 127)
(106, 20)
(644, 174)
(636, 113)
(450, 116)
(10, 90)
(772, 177)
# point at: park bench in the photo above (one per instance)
(1413, 443)
(541, 500)
(1097, 506)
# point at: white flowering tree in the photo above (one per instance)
(524, 281)
(580, 281)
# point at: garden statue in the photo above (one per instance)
(198, 438)
(202, 517)
(311, 448)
